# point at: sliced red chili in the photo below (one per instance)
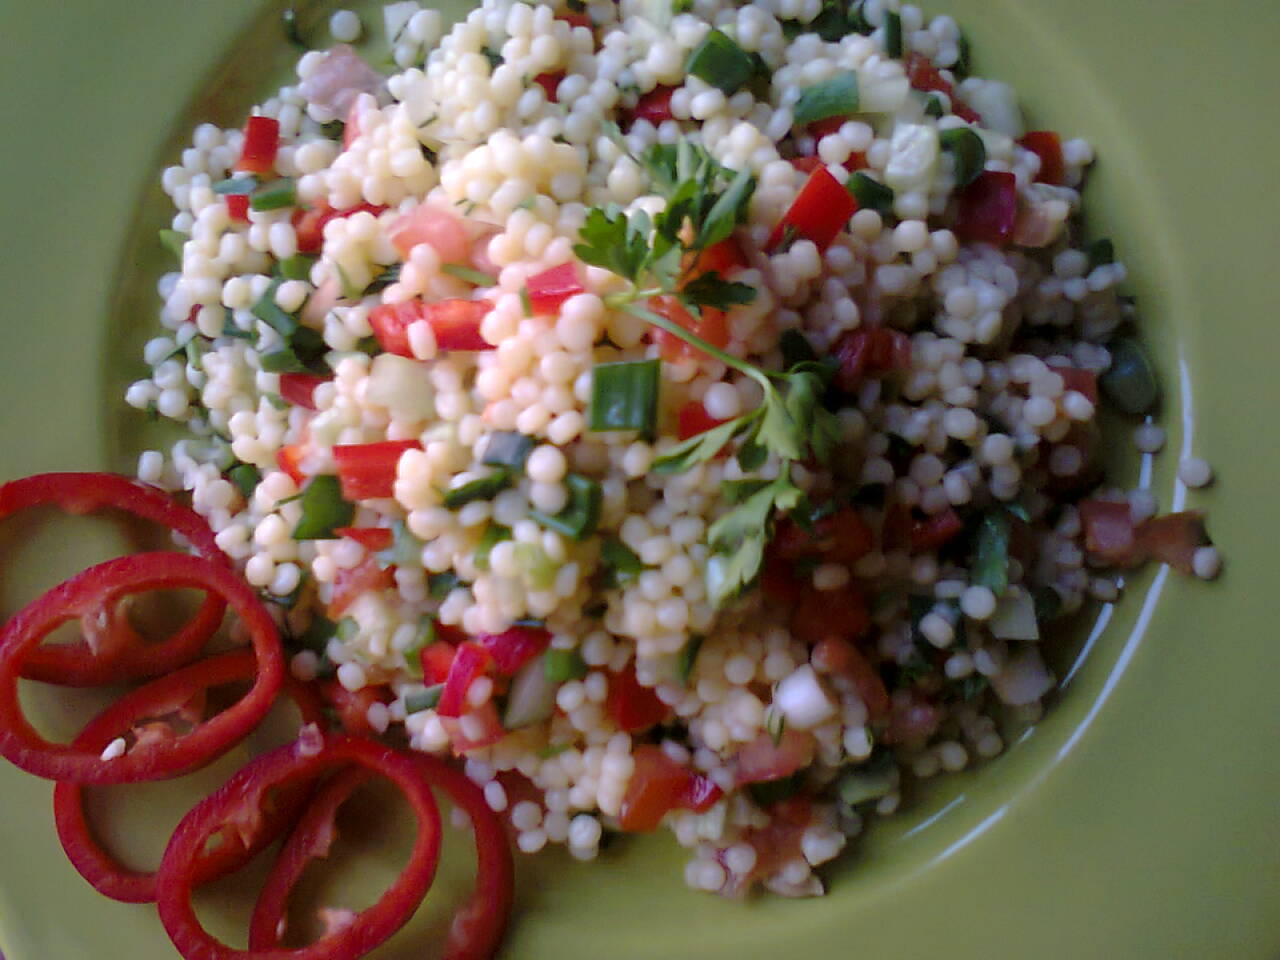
(99, 587)
(368, 470)
(371, 538)
(470, 661)
(238, 841)
(551, 288)
(304, 761)
(299, 388)
(654, 106)
(819, 212)
(238, 206)
(112, 652)
(633, 708)
(514, 647)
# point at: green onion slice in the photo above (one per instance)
(563, 665)
(423, 699)
(508, 449)
(688, 656)
(323, 510)
(624, 396)
(621, 565)
(236, 185)
(246, 477)
(719, 61)
(871, 194)
(478, 277)
(834, 97)
(967, 150)
(275, 195)
(270, 313)
(439, 585)
(578, 520)
(482, 488)
(494, 534)
(297, 267)
(892, 34)
(991, 557)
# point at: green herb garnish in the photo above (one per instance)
(421, 700)
(624, 396)
(246, 477)
(470, 275)
(323, 509)
(967, 151)
(870, 194)
(563, 665)
(579, 518)
(688, 656)
(509, 449)
(719, 61)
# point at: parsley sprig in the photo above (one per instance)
(705, 202)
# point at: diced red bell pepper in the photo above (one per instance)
(455, 323)
(289, 459)
(699, 794)
(368, 470)
(825, 127)
(820, 211)
(481, 727)
(837, 656)
(654, 106)
(988, 209)
(549, 82)
(372, 539)
(237, 207)
(693, 419)
(867, 351)
(550, 288)
(712, 326)
(299, 388)
(807, 164)
(924, 76)
(1109, 532)
(470, 662)
(659, 785)
(1046, 145)
(575, 19)
(840, 537)
(368, 576)
(633, 708)
(934, 531)
(822, 613)
(778, 580)
(261, 142)
(515, 647)
(352, 707)
(765, 758)
(308, 225)
(437, 659)
(723, 258)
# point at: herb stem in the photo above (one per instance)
(691, 338)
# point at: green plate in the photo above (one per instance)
(1139, 820)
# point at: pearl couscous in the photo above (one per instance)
(684, 413)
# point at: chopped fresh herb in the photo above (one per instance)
(871, 194)
(275, 195)
(493, 56)
(526, 304)
(494, 534)
(892, 33)
(962, 65)
(323, 509)
(439, 585)
(405, 549)
(333, 130)
(552, 750)
(795, 349)
(297, 267)
(421, 700)
(283, 360)
(689, 656)
(563, 665)
(509, 449)
(1100, 252)
(317, 635)
(991, 552)
(246, 477)
(482, 488)
(270, 313)
(834, 97)
(681, 6)
(719, 61)
(231, 329)
(579, 518)
(173, 241)
(933, 106)
(624, 396)
(236, 185)
(712, 290)
(470, 275)
(621, 565)
(369, 346)
(385, 279)
(967, 151)
(972, 686)
(768, 792)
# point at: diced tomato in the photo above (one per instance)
(549, 82)
(988, 208)
(819, 212)
(824, 128)
(1082, 381)
(261, 141)
(840, 537)
(839, 657)
(469, 663)
(390, 323)
(867, 351)
(654, 106)
(238, 206)
(1173, 539)
(299, 388)
(857, 160)
(372, 539)
(932, 532)
(450, 633)
(895, 529)
(1046, 145)
(366, 577)
(923, 75)
(575, 19)
(723, 258)
(455, 323)
(822, 613)
(778, 843)
(353, 707)
(515, 647)
(436, 659)
(659, 785)
(550, 288)
(807, 164)
(368, 470)
(712, 326)
(308, 224)
(351, 128)
(912, 719)
(289, 458)
(699, 794)
(1109, 532)
(633, 708)
(778, 580)
(693, 419)
(762, 759)
(479, 728)
(428, 223)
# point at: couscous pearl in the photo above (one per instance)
(1206, 562)
(345, 26)
(1195, 472)
(978, 603)
(1149, 438)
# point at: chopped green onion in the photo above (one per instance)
(283, 360)
(270, 313)
(173, 241)
(275, 195)
(479, 278)
(688, 656)
(962, 67)
(933, 106)
(721, 62)
(892, 34)
(562, 665)
(578, 520)
(246, 477)
(991, 553)
(439, 585)
(552, 750)
(796, 348)
(385, 279)
(230, 329)
(525, 303)
(968, 152)
(537, 567)
(421, 700)
(368, 346)
(494, 534)
(236, 185)
(835, 97)
(323, 509)
(1100, 252)
(1130, 382)
(766, 793)
(482, 488)
(871, 194)
(412, 653)
(297, 267)
(493, 56)
(405, 549)
(317, 635)
(624, 396)
(972, 686)
(621, 565)
(347, 630)
(507, 448)
(1048, 604)
(869, 782)
(350, 291)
